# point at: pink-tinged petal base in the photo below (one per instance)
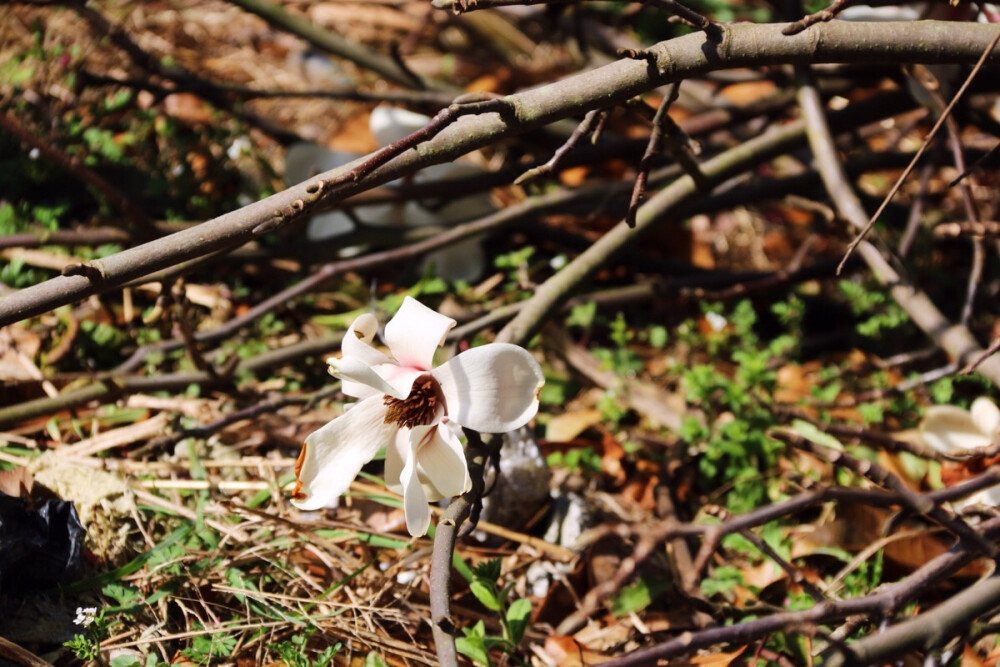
(333, 456)
(493, 388)
(415, 333)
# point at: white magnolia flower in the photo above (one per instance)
(952, 430)
(414, 410)
(462, 261)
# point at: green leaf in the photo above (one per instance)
(812, 433)
(582, 315)
(473, 648)
(125, 660)
(489, 571)
(132, 566)
(517, 618)
(373, 659)
(485, 595)
(637, 596)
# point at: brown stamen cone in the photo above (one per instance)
(417, 409)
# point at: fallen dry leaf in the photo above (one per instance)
(717, 659)
(16, 482)
(567, 426)
(567, 652)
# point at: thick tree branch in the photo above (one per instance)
(741, 46)
(926, 631)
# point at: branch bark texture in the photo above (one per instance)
(694, 54)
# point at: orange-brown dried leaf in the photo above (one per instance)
(717, 659)
(188, 108)
(567, 652)
(16, 482)
(354, 136)
(748, 92)
(641, 489)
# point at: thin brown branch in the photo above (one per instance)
(582, 130)
(926, 631)
(105, 29)
(912, 500)
(885, 600)
(826, 14)
(303, 27)
(956, 340)
(648, 538)
(652, 148)
(927, 142)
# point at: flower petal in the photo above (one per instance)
(493, 388)
(986, 416)
(332, 456)
(358, 341)
(415, 333)
(442, 461)
(950, 429)
(361, 376)
(418, 514)
(397, 453)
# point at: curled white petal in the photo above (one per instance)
(333, 456)
(415, 508)
(442, 462)
(415, 333)
(358, 341)
(950, 429)
(986, 416)
(493, 388)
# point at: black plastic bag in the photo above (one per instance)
(41, 544)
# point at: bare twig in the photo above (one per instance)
(826, 14)
(582, 130)
(173, 72)
(557, 289)
(927, 142)
(954, 339)
(652, 148)
(326, 41)
(926, 631)
(916, 502)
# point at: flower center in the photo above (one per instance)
(419, 408)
